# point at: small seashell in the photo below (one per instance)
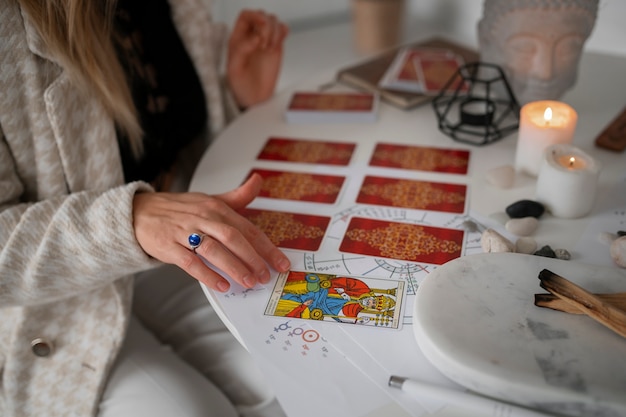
(545, 251)
(525, 208)
(501, 177)
(493, 242)
(618, 251)
(606, 238)
(526, 245)
(524, 226)
(562, 254)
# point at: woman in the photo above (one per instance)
(99, 104)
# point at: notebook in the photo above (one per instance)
(367, 75)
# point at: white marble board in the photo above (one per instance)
(475, 320)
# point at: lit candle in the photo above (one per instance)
(567, 182)
(542, 123)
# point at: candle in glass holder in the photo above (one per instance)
(542, 123)
(567, 182)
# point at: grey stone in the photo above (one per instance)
(562, 254)
(546, 251)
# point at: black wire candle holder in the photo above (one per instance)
(477, 105)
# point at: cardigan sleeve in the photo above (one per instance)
(65, 245)
(61, 247)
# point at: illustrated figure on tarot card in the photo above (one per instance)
(343, 299)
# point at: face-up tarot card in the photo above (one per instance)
(289, 230)
(403, 241)
(300, 186)
(420, 158)
(338, 299)
(307, 151)
(413, 194)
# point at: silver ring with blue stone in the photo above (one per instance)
(195, 240)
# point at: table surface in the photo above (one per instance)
(598, 97)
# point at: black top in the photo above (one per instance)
(164, 84)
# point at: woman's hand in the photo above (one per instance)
(255, 51)
(164, 221)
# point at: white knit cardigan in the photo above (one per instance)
(67, 246)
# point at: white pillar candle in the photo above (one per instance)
(567, 182)
(542, 123)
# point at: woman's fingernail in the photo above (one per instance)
(284, 264)
(264, 276)
(223, 286)
(249, 281)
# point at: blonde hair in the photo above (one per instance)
(79, 33)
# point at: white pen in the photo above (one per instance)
(489, 407)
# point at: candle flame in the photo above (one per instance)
(572, 161)
(547, 115)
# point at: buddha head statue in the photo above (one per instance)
(537, 43)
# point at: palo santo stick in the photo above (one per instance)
(591, 305)
(617, 299)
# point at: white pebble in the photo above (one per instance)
(526, 245)
(563, 254)
(606, 237)
(493, 242)
(502, 176)
(522, 227)
(618, 251)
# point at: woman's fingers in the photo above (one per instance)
(192, 264)
(228, 250)
(245, 243)
(244, 194)
(163, 223)
(258, 28)
(263, 245)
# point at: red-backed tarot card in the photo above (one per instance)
(307, 151)
(289, 230)
(408, 71)
(436, 71)
(420, 158)
(405, 74)
(316, 107)
(299, 186)
(316, 101)
(403, 241)
(338, 299)
(412, 194)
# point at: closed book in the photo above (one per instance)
(367, 75)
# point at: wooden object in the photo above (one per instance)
(366, 75)
(377, 24)
(590, 304)
(555, 303)
(613, 137)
